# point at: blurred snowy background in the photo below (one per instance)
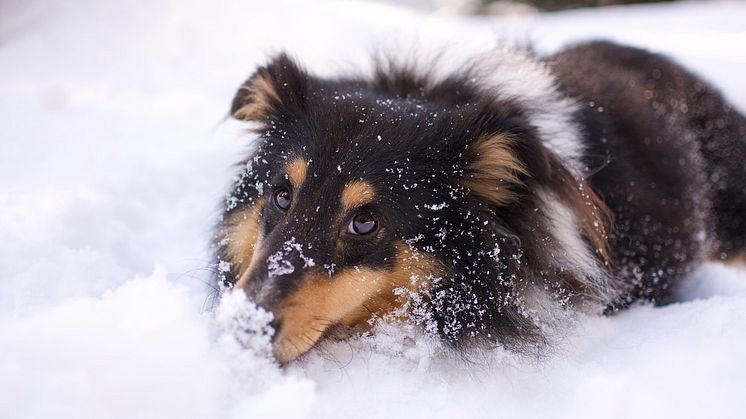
(115, 152)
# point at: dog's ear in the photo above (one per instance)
(274, 90)
(497, 168)
(493, 170)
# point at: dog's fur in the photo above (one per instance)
(502, 190)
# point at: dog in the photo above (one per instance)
(482, 200)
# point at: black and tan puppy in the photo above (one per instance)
(479, 200)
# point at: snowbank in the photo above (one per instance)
(115, 153)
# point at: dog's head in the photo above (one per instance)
(364, 192)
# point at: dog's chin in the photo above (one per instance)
(297, 338)
(289, 347)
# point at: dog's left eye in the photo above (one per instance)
(362, 224)
(283, 199)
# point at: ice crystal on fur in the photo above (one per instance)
(278, 264)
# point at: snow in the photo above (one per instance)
(114, 156)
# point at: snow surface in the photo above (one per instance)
(115, 153)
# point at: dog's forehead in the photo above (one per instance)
(387, 143)
(345, 179)
(367, 115)
(358, 166)
(375, 146)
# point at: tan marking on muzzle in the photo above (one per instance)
(244, 232)
(244, 236)
(356, 193)
(352, 298)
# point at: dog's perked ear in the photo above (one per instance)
(275, 89)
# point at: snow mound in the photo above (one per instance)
(115, 154)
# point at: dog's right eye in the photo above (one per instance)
(283, 198)
(362, 224)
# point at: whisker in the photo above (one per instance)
(325, 353)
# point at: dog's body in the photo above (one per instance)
(478, 201)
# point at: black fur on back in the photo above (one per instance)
(675, 162)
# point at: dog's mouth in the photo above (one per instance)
(290, 344)
(288, 347)
(295, 338)
(350, 301)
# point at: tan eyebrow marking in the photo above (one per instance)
(296, 171)
(357, 193)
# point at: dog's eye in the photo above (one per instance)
(361, 224)
(283, 199)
